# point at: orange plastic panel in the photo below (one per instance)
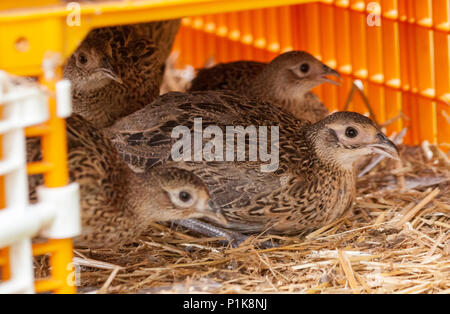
(4, 255)
(55, 170)
(62, 271)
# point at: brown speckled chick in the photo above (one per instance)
(286, 81)
(117, 204)
(118, 70)
(315, 180)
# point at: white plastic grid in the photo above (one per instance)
(57, 214)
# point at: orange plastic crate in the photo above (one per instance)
(403, 62)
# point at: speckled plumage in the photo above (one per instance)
(315, 181)
(116, 203)
(118, 70)
(280, 82)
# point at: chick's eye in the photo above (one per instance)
(185, 196)
(304, 68)
(351, 132)
(82, 58)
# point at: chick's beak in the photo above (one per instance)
(385, 146)
(107, 70)
(214, 212)
(110, 74)
(327, 71)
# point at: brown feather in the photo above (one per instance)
(312, 186)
